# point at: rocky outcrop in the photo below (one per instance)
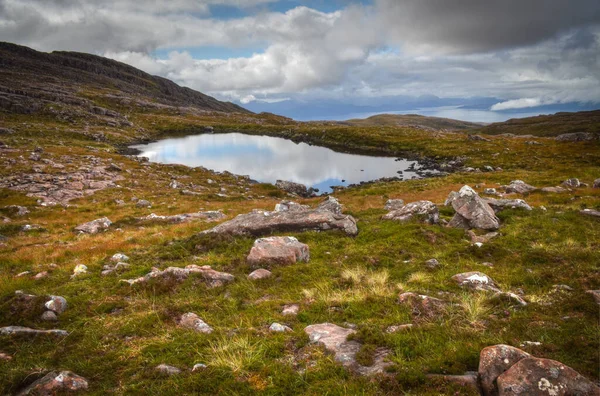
(192, 321)
(53, 383)
(213, 278)
(422, 306)
(182, 218)
(543, 377)
(576, 137)
(94, 227)
(519, 187)
(260, 222)
(494, 361)
(277, 251)
(426, 210)
(394, 204)
(295, 188)
(571, 183)
(472, 211)
(500, 204)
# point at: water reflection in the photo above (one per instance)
(267, 159)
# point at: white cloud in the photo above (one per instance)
(517, 104)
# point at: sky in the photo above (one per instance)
(336, 59)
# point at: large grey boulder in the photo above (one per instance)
(95, 226)
(472, 211)
(542, 377)
(277, 251)
(494, 361)
(425, 209)
(519, 187)
(260, 222)
(576, 137)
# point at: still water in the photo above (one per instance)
(268, 159)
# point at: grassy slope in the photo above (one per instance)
(118, 333)
(414, 120)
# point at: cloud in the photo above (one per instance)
(517, 104)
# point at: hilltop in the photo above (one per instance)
(415, 121)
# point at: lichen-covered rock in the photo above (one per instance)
(279, 328)
(472, 211)
(290, 309)
(422, 306)
(259, 222)
(260, 273)
(53, 383)
(494, 361)
(571, 183)
(57, 304)
(334, 339)
(426, 209)
(212, 277)
(432, 263)
(212, 215)
(192, 321)
(519, 187)
(476, 280)
(576, 137)
(394, 204)
(49, 316)
(119, 257)
(331, 204)
(95, 226)
(142, 203)
(277, 251)
(26, 331)
(295, 188)
(500, 204)
(543, 377)
(290, 206)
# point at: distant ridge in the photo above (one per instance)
(29, 80)
(414, 121)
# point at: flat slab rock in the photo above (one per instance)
(53, 383)
(212, 215)
(26, 331)
(426, 209)
(277, 251)
(94, 226)
(335, 340)
(258, 222)
(543, 377)
(212, 277)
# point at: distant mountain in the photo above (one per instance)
(414, 121)
(32, 81)
(548, 125)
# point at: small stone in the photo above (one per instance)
(260, 273)
(79, 270)
(290, 309)
(490, 191)
(397, 328)
(279, 328)
(142, 203)
(432, 263)
(22, 274)
(199, 366)
(49, 316)
(119, 257)
(595, 294)
(41, 275)
(476, 280)
(57, 304)
(530, 343)
(394, 204)
(53, 383)
(167, 370)
(596, 183)
(192, 321)
(95, 226)
(5, 357)
(26, 331)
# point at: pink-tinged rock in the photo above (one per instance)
(290, 309)
(296, 220)
(41, 275)
(95, 226)
(494, 361)
(53, 383)
(334, 339)
(212, 277)
(472, 211)
(425, 209)
(56, 304)
(277, 251)
(544, 377)
(5, 357)
(500, 204)
(260, 273)
(192, 321)
(422, 306)
(476, 280)
(555, 190)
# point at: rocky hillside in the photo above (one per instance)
(548, 125)
(415, 121)
(32, 81)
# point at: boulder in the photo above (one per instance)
(260, 222)
(478, 138)
(555, 190)
(331, 204)
(452, 195)
(212, 277)
(476, 281)
(290, 206)
(26, 331)
(519, 186)
(334, 339)
(95, 226)
(57, 304)
(495, 360)
(472, 211)
(571, 183)
(295, 188)
(211, 215)
(500, 204)
(425, 209)
(422, 306)
(260, 273)
(394, 204)
(53, 383)
(542, 377)
(192, 321)
(596, 183)
(576, 137)
(277, 251)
